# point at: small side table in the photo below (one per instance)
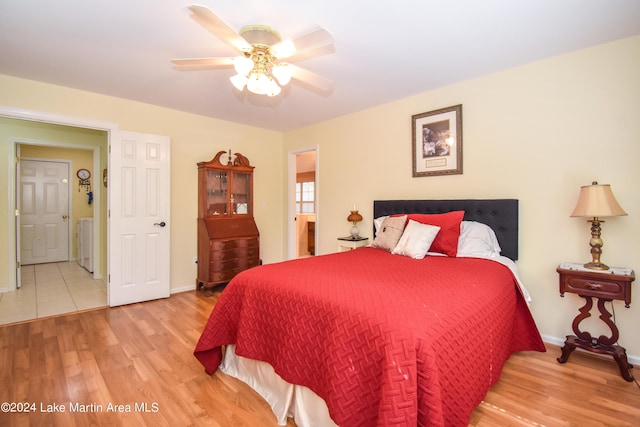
(605, 285)
(349, 243)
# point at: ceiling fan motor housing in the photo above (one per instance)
(260, 35)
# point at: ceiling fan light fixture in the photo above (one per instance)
(282, 73)
(242, 65)
(274, 89)
(259, 83)
(261, 48)
(238, 81)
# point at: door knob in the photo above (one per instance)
(64, 217)
(161, 224)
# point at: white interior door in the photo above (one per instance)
(44, 211)
(139, 227)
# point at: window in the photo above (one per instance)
(305, 197)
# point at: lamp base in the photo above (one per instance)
(355, 233)
(596, 266)
(596, 246)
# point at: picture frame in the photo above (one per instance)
(436, 142)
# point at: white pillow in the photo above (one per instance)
(477, 240)
(416, 240)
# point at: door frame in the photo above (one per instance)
(36, 116)
(292, 241)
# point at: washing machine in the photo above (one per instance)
(85, 243)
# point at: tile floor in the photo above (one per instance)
(51, 289)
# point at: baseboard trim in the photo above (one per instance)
(183, 289)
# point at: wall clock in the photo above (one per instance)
(83, 174)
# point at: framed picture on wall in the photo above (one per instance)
(436, 142)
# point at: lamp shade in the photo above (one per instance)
(354, 217)
(242, 65)
(282, 73)
(239, 81)
(597, 200)
(259, 83)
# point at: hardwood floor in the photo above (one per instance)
(140, 357)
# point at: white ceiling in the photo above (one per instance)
(384, 51)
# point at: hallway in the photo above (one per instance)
(52, 289)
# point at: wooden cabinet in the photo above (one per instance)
(311, 237)
(228, 238)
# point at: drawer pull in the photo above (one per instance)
(594, 286)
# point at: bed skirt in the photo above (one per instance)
(286, 400)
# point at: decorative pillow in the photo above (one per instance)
(378, 222)
(446, 241)
(477, 240)
(416, 240)
(389, 233)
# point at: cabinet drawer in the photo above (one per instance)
(248, 262)
(219, 245)
(222, 255)
(233, 264)
(227, 275)
(595, 288)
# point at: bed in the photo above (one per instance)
(377, 337)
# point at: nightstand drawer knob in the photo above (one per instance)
(593, 286)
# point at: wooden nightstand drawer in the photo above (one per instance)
(595, 288)
(611, 284)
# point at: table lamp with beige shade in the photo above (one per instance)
(596, 201)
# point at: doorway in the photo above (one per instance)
(82, 149)
(51, 283)
(303, 206)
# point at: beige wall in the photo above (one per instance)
(193, 139)
(535, 133)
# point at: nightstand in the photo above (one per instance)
(605, 285)
(348, 243)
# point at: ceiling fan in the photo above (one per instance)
(265, 60)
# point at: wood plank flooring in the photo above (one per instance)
(133, 366)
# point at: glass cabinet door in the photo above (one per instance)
(241, 194)
(217, 193)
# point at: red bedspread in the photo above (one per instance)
(386, 340)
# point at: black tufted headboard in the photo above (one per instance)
(499, 214)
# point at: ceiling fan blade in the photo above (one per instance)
(310, 78)
(218, 27)
(310, 53)
(202, 63)
(312, 40)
